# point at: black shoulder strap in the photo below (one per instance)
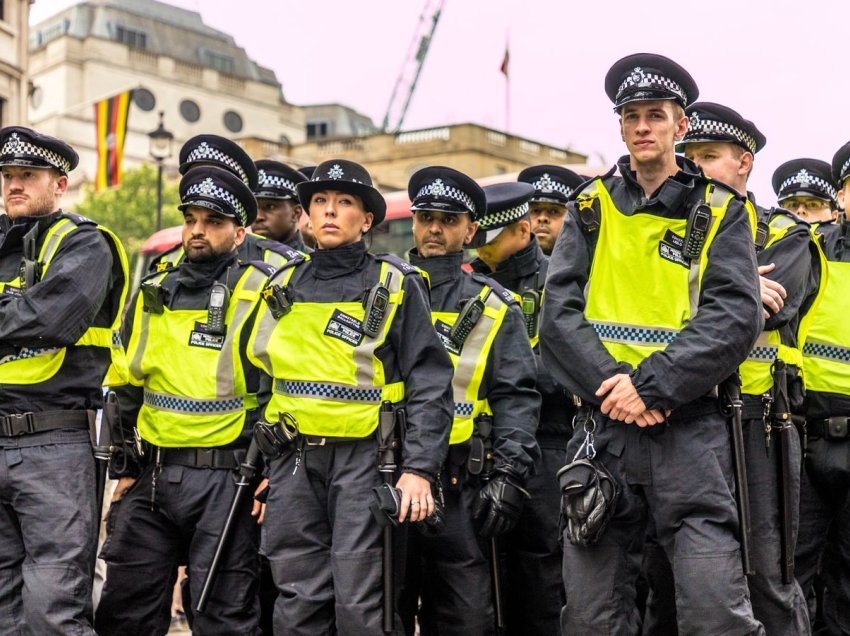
(498, 289)
(400, 264)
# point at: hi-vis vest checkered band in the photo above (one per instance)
(326, 373)
(756, 370)
(195, 387)
(636, 257)
(826, 353)
(36, 365)
(470, 362)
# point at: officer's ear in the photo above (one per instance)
(471, 229)
(367, 224)
(240, 235)
(746, 163)
(297, 211)
(841, 193)
(60, 183)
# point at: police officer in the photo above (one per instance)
(652, 300)
(509, 253)
(496, 409)
(63, 282)
(824, 538)
(805, 187)
(192, 393)
(213, 150)
(553, 186)
(348, 339)
(278, 210)
(724, 144)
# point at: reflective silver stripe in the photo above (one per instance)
(266, 322)
(328, 391)
(827, 351)
(364, 353)
(192, 406)
(52, 244)
(634, 334)
(143, 329)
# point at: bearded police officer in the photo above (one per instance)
(213, 150)
(278, 209)
(724, 144)
(63, 285)
(192, 395)
(652, 300)
(509, 253)
(805, 187)
(496, 409)
(553, 186)
(824, 539)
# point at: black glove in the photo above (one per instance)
(499, 505)
(386, 505)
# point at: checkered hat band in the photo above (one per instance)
(205, 153)
(503, 218)
(463, 409)
(632, 334)
(720, 129)
(844, 169)
(273, 181)
(217, 192)
(23, 149)
(764, 353)
(449, 192)
(549, 185)
(652, 81)
(819, 183)
(827, 351)
(25, 354)
(192, 406)
(328, 391)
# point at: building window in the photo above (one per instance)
(131, 37)
(190, 110)
(2, 9)
(232, 121)
(219, 62)
(144, 99)
(51, 33)
(317, 129)
(2, 112)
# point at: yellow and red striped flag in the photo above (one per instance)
(110, 118)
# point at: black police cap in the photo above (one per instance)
(276, 180)
(841, 165)
(446, 190)
(551, 183)
(24, 147)
(646, 77)
(714, 122)
(218, 190)
(809, 177)
(344, 176)
(507, 203)
(307, 171)
(218, 151)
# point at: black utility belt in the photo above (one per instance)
(315, 440)
(18, 424)
(216, 458)
(830, 428)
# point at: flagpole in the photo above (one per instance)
(507, 84)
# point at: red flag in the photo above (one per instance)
(504, 67)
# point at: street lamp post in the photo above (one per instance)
(160, 149)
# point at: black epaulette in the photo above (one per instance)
(79, 219)
(507, 297)
(264, 267)
(154, 274)
(295, 261)
(400, 264)
(277, 247)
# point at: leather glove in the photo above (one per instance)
(499, 505)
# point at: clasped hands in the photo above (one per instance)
(623, 403)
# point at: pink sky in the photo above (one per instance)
(779, 64)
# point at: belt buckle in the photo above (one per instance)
(204, 458)
(315, 441)
(19, 424)
(836, 427)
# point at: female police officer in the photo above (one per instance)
(346, 337)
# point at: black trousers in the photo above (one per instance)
(144, 548)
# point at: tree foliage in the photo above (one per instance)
(129, 209)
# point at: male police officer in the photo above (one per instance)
(278, 209)
(496, 409)
(805, 187)
(825, 497)
(724, 144)
(553, 186)
(509, 253)
(193, 394)
(669, 309)
(63, 285)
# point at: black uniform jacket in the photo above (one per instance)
(710, 347)
(55, 312)
(510, 376)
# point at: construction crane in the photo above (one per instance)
(405, 84)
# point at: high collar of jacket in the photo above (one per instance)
(338, 261)
(521, 263)
(673, 191)
(440, 269)
(204, 274)
(14, 230)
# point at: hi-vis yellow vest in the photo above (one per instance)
(195, 391)
(324, 368)
(470, 361)
(36, 365)
(826, 354)
(756, 370)
(641, 291)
